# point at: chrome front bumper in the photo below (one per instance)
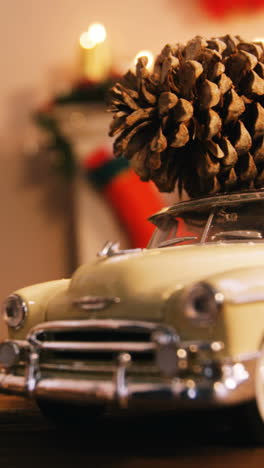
(184, 371)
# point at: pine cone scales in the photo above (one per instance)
(197, 119)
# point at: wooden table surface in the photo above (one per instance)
(27, 440)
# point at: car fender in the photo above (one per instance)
(36, 298)
(243, 312)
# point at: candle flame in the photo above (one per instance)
(145, 53)
(95, 35)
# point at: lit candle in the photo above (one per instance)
(96, 56)
(145, 53)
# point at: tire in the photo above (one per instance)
(252, 423)
(259, 381)
(249, 419)
(256, 408)
(68, 414)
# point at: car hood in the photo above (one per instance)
(143, 281)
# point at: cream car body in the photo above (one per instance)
(193, 314)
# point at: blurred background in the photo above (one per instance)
(53, 124)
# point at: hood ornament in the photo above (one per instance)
(111, 249)
(95, 303)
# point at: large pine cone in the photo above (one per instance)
(198, 118)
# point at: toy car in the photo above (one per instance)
(180, 323)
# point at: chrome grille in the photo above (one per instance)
(94, 345)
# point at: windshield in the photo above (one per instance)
(242, 221)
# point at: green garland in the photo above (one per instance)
(65, 163)
(86, 92)
(83, 92)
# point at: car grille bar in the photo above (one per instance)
(94, 341)
(64, 325)
(98, 347)
(94, 336)
(172, 369)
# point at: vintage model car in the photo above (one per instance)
(180, 323)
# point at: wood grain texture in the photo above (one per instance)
(28, 440)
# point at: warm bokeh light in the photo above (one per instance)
(95, 53)
(259, 39)
(95, 35)
(145, 53)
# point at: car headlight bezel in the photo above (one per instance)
(203, 304)
(14, 311)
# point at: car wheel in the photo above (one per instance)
(259, 376)
(248, 417)
(68, 414)
(251, 415)
(259, 389)
(250, 423)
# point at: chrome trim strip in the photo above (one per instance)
(79, 366)
(135, 347)
(248, 297)
(72, 390)
(159, 339)
(32, 374)
(176, 240)
(207, 227)
(238, 234)
(122, 392)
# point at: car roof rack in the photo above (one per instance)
(206, 202)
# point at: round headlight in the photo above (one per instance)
(14, 311)
(203, 304)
